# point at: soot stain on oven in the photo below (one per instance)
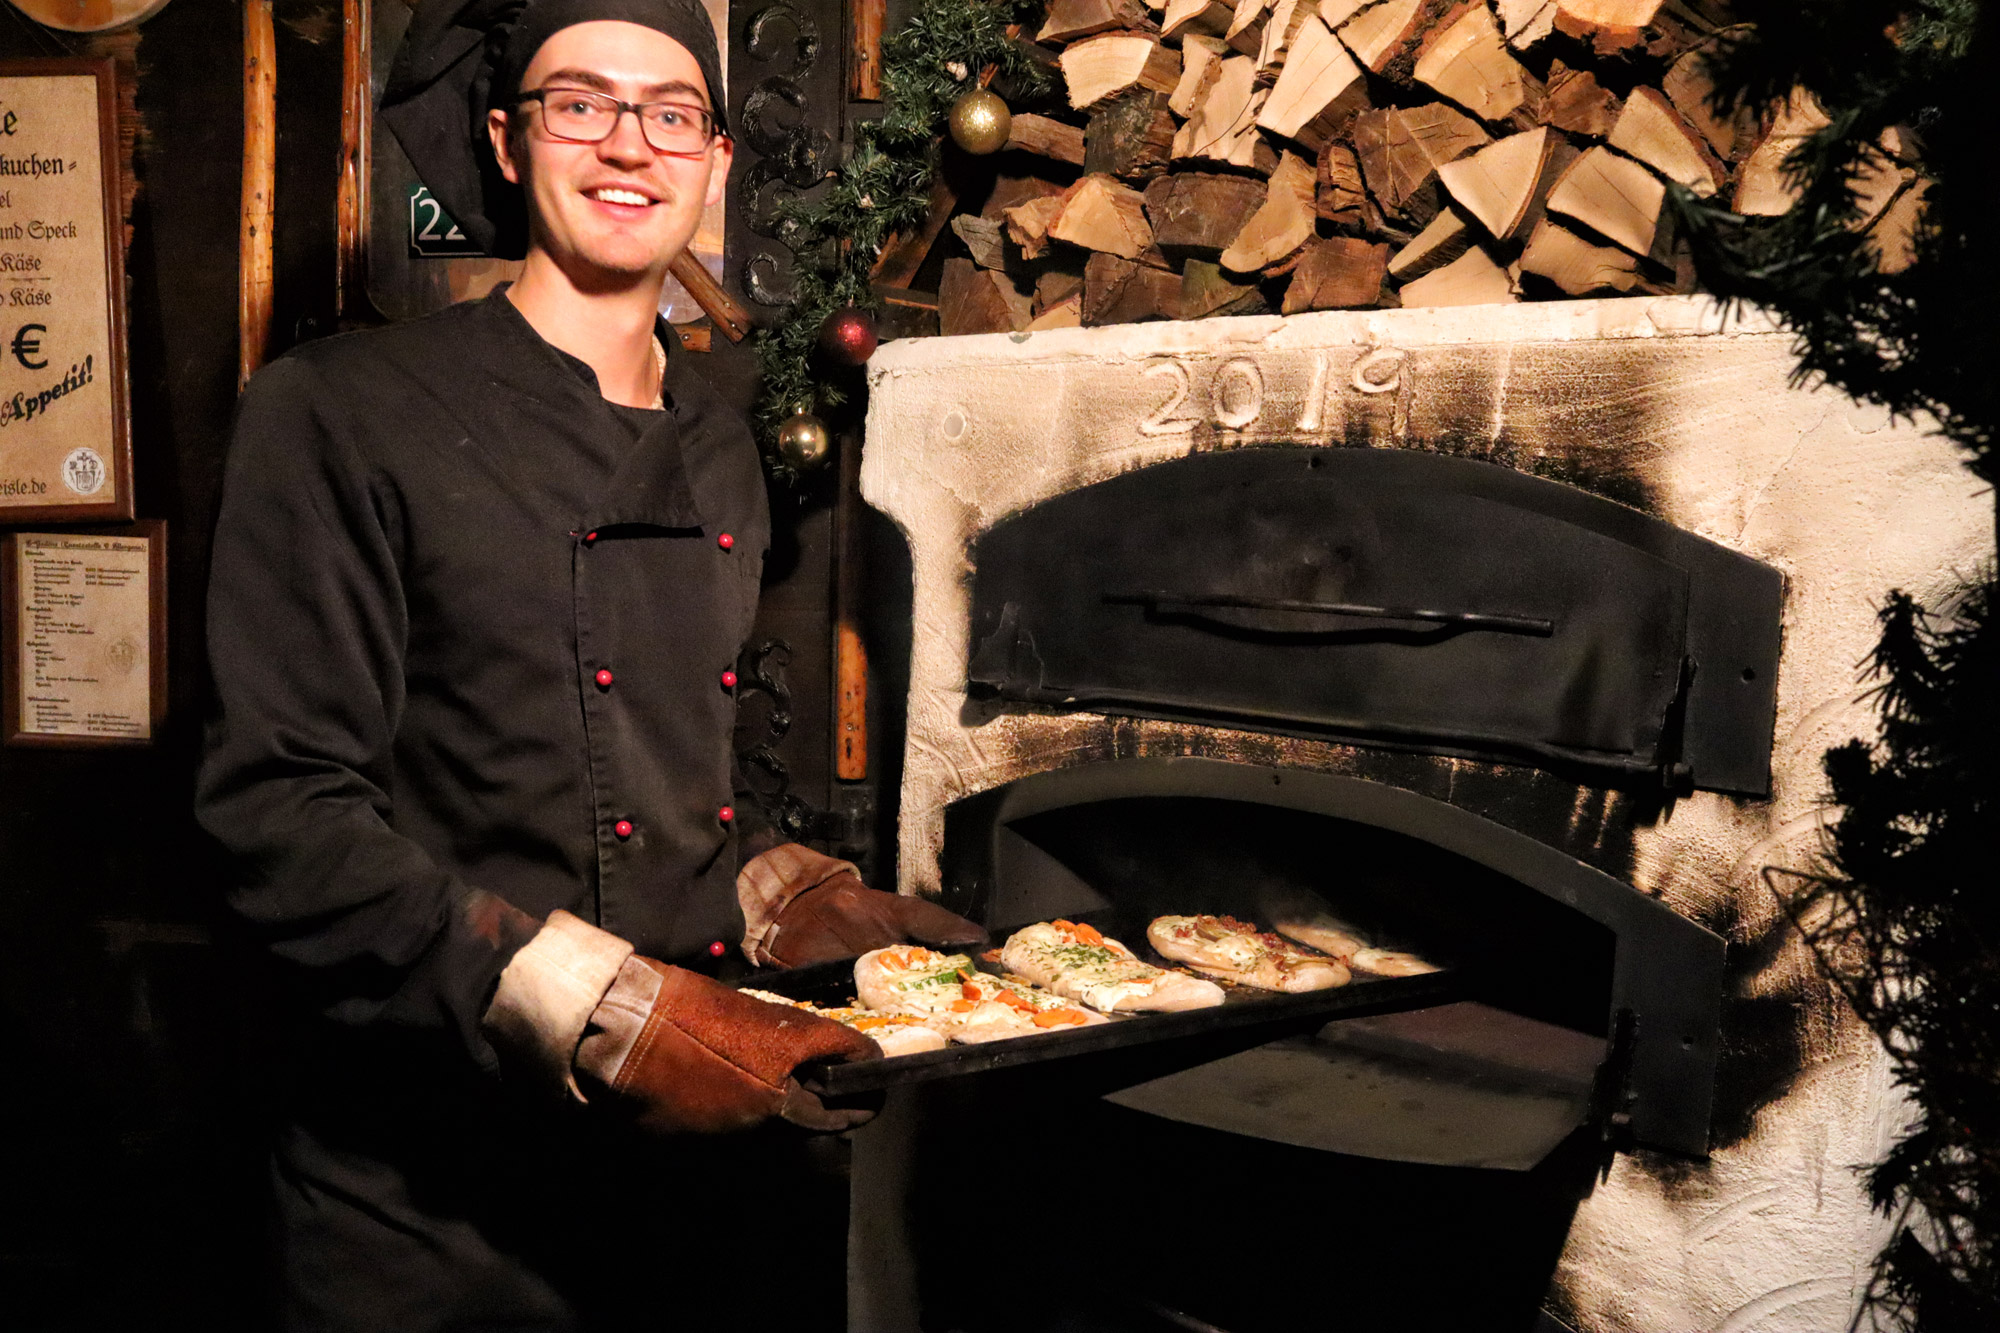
(1585, 415)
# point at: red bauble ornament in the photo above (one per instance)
(848, 335)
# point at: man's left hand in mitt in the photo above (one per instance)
(801, 907)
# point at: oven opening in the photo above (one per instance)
(1498, 1081)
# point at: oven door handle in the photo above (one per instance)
(1196, 606)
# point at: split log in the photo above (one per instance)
(1101, 67)
(1894, 235)
(1064, 314)
(1222, 127)
(1651, 130)
(1576, 265)
(1883, 175)
(1388, 37)
(1401, 149)
(1579, 103)
(1653, 29)
(1201, 61)
(1465, 59)
(985, 239)
(1333, 13)
(1341, 197)
(904, 253)
(1471, 279)
(1526, 22)
(1056, 286)
(1208, 292)
(1195, 18)
(1245, 33)
(1010, 191)
(978, 300)
(1118, 291)
(1613, 196)
(1100, 214)
(1761, 188)
(1504, 184)
(1688, 87)
(1028, 223)
(1130, 136)
(1195, 214)
(1337, 273)
(1448, 236)
(1073, 20)
(1046, 138)
(1284, 222)
(1288, 17)
(1318, 91)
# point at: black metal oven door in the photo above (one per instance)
(1393, 597)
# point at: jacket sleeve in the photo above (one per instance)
(307, 626)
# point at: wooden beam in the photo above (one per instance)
(350, 249)
(864, 49)
(717, 304)
(260, 180)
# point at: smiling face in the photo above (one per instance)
(613, 212)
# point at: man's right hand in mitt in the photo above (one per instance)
(668, 1048)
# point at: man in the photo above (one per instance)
(479, 582)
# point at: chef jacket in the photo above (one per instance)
(468, 638)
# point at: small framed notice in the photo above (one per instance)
(85, 626)
(65, 439)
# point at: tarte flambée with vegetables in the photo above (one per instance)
(952, 997)
(896, 1034)
(1078, 962)
(1237, 951)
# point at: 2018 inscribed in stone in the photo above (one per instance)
(81, 611)
(63, 450)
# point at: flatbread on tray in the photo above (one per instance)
(896, 1034)
(1079, 963)
(950, 996)
(1237, 951)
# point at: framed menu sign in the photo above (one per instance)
(65, 442)
(84, 622)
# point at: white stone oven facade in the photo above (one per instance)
(1664, 404)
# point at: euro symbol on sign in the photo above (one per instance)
(27, 343)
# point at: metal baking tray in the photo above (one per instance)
(1128, 1049)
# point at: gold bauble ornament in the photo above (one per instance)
(804, 442)
(980, 122)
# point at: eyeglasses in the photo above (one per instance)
(586, 117)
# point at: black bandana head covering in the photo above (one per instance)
(462, 58)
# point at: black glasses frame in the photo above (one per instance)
(710, 131)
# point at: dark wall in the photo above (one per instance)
(131, 1167)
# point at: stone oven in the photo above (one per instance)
(1536, 652)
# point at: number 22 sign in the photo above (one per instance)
(433, 233)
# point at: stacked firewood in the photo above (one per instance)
(1292, 155)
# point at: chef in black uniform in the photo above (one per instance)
(479, 584)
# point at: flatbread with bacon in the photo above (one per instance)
(1080, 963)
(896, 1034)
(1345, 943)
(1237, 951)
(948, 995)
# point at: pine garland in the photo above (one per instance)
(883, 188)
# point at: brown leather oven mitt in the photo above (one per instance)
(710, 1060)
(843, 918)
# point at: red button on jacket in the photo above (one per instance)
(725, 541)
(603, 678)
(729, 680)
(623, 828)
(725, 814)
